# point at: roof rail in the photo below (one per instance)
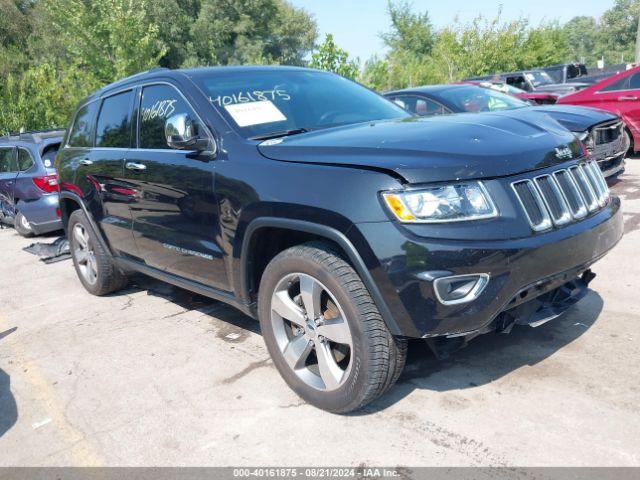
(33, 135)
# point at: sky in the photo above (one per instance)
(356, 24)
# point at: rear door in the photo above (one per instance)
(8, 174)
(175, 214)
(104, 171)
(621, 97)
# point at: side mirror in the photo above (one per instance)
(181, 134)
(179, 131)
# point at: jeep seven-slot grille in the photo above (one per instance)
(563, 196)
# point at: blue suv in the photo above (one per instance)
(29, 182)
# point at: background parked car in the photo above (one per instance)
(602, 132)
(619, 94)
(566, 72)
(537, 98)
(29, 183)
(532, 81)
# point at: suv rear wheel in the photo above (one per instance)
(324, 332)
(22, 225)
(95, 267)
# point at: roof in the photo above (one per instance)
(430, 89)
(34, 136)
(188, 72)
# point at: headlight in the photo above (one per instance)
(448, 203)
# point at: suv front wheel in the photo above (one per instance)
(324, 332)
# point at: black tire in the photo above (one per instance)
(22, 226)
(628, 140)
(109, 277)
(377, 356)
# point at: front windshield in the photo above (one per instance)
(539, 78)
(261, 103)
(477, 99)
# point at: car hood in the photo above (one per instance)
(445, 148)
(574, 118)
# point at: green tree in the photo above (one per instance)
(251, 31)
(110, 38)
(331, 57)
(617, 32)
(410, 31)
(581, 34)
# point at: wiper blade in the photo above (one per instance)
(283, 133)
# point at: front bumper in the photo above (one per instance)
(551, 259)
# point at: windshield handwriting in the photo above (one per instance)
(254, 96)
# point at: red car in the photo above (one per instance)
(619, 94)
(538, 98)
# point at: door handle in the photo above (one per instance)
(627, 99)
(86, 162)
(138, 167)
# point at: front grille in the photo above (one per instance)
(562, 196)
(607, 133)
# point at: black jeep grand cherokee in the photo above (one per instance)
(342, 223)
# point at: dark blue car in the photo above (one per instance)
(29, 182)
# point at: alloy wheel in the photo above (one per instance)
(25, 223)
(84, 254)
(311, 331)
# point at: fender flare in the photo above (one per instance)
(92, 223)
(330, 234)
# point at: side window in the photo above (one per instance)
(82, 128)
(622, 84)
(25, 160)
(518, 82)
(7, 160)
(420, 106)
(433, 108)
(113, 128)
(634, 81)
(159, 102)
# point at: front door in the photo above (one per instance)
(175, 215)
(8, 174)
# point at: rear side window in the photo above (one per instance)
(113, 128)
(159, 102)
(81, 131)
(7, 160)
(622, 84)
(634, 81)
(25, 160)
